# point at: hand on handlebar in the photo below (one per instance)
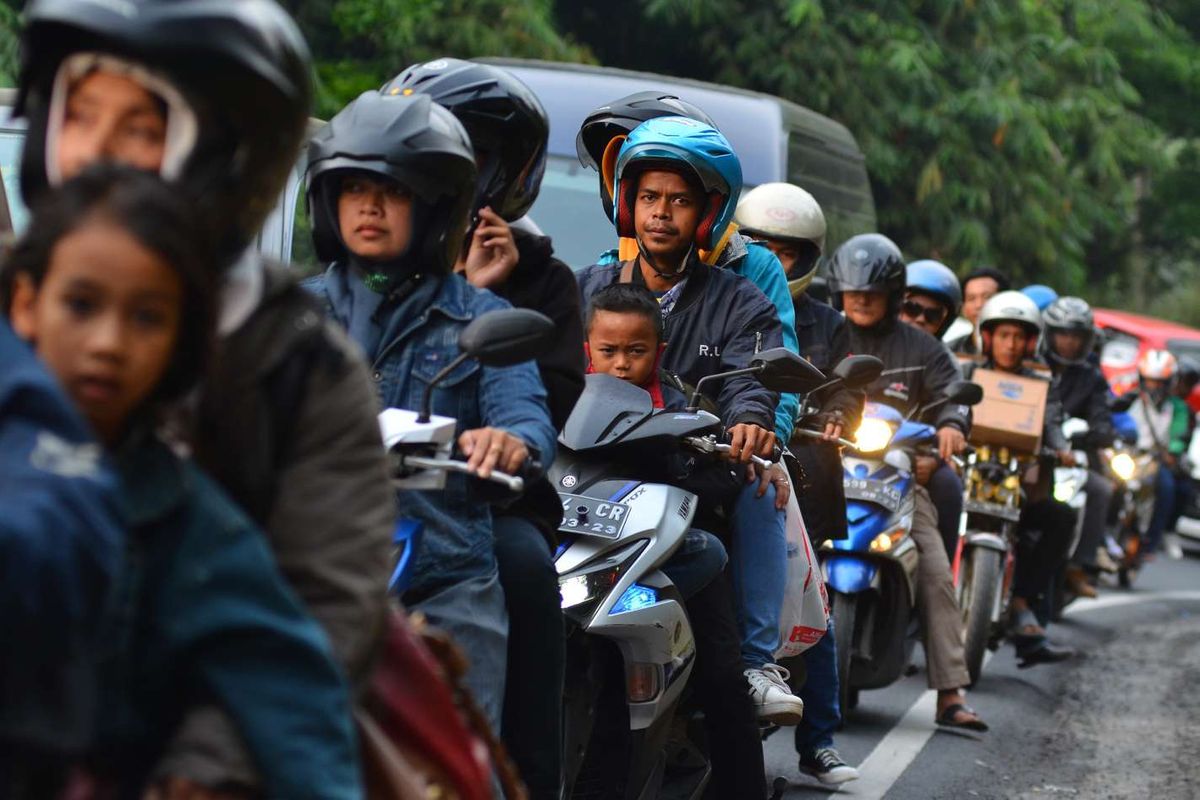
(950, 442)
(746, 440)
(490, 449)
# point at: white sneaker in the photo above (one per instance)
(827, 766)
(1172, 547)
(772, 698)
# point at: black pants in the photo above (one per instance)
(734, 743)
(1046, 530)
(946, 491)
(532, 721)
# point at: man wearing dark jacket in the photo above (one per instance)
(1067, 347)
(867, 279)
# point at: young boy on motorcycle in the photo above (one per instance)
(390, 185)
(932, 299)
(790, 222)
(1070, 332)
(677, 182)
(1162, 421)
(625, 340)
(1009, 327)
(508, 129)
(867, 280)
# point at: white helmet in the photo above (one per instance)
(786, 213)
(1014, 307)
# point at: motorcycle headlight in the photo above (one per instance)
(1064, 490)
(579, 590)
(872, 436)
(1123, 466)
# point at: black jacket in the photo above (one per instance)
(1084, 394)
(930, 369)
(716, 325)
(543, 283)
(823, 341)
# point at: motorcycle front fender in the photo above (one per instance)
(847, 574)
(989, 541)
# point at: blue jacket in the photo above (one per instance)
(417, 339)
(60, 543)
(202, 614)
(756, 263)
(715, 326)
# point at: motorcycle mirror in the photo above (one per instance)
(857, 372)
(964, 393)
(499, 338)
(781, 370)
(1119, 405)
(508, 336)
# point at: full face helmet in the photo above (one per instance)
(786, 213)
(1159, 366)
(935, 279)
(506, 122)
(1068, 315)
(412, 141)
(233, 75)
(690, 148)
(869, 262)
(1015, 308)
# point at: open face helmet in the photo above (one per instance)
(935, 279)
(786, 213)
(1012, 307)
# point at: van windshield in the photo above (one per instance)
(568, 210)
(10, 166)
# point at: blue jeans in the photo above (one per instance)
(822, 715)
(698, 560)
(1165, 493)
(759, 572)
(946, 491)
(472, 612)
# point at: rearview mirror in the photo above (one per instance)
(964, 393)
(858, 372)
(507, 336)
(781, 370)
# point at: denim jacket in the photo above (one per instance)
(420, 336)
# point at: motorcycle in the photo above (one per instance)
(630, 647)
(872, 573)
(1134, 474)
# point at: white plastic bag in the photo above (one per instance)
(805, 614)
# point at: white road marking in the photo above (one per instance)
(903, 743)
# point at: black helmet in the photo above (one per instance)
(617, 120)
(241, 66)
(1068, 314)
(507, 124)
(413, 141)
(869, 262)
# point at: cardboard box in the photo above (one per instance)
(1012, 411)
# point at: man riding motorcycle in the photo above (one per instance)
(1162, 421)
(1070, 333)
(867, 280)
(790, 222)
(932, 299)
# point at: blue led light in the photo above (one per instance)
(634, 598)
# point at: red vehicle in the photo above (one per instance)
(1126, 336)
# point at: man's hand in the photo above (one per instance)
(775, 475)
(492, 254)
(950, 442)
(924, 467)
(487, 449)
(184, 789)
(1066, 458)
(833, 431)
(747, 440)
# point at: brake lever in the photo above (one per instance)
(511, 482)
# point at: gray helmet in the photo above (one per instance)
(1068, 314)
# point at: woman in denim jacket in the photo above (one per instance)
(390, 184)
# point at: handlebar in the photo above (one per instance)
(511, 482)
(811, 434)
(705, 445)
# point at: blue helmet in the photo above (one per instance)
(684, 145)
(1041, 294)
(939, 282)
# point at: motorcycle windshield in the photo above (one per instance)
(607, 408)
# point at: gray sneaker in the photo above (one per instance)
(827, 766)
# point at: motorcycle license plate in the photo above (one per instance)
(878, 492)
(592, 516)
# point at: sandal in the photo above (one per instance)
(947, 718)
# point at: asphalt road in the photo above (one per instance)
(1121, 720)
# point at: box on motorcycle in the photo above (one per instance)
(1012, 411)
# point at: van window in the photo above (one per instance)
(10, 166)
(839, 183)
(568, 209)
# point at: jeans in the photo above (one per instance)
(820, 695)
(759, 572)
(699, 559)
(946, 492)
(472, 612)
(536, 655)
(1166, 491)
(1099, 491)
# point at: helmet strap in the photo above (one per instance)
(678, 274)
